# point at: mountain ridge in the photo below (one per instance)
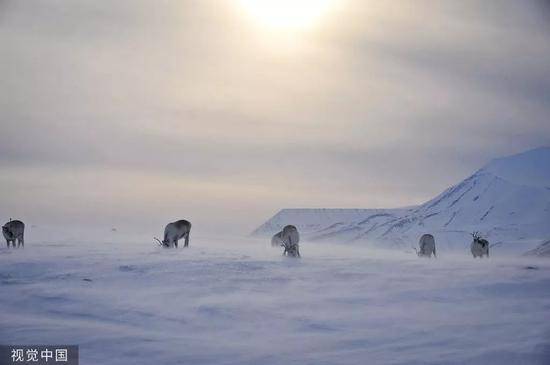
(508, 200)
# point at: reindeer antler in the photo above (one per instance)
(476, 235)
(159, 241)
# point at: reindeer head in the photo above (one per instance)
(161, 243)
(476, 235)
(7, 233)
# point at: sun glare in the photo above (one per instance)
(286, 14)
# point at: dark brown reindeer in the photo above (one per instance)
(426, 246)
(290, 241)
(479, 246)
(175, 231)
(14, 230)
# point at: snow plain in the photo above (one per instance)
(238, 301)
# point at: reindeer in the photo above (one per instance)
(427, 246)
(14, 230)
(175, 231)
(479, 246)
(290, 239)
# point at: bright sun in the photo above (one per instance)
(287, 14)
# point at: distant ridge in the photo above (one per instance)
(508, 200)
(542, 250)
(312, 220)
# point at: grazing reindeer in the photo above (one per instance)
(290, 238)
(277, 240)
(427, 246)
(479, 246)
(14, 230)
(175, 231)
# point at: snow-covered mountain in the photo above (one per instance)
(323, 220)
(508, 201)
(542, 250)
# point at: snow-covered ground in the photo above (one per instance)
(228, 301)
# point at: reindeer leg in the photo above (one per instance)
(186, 240)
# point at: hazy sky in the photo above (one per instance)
(134, 113)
